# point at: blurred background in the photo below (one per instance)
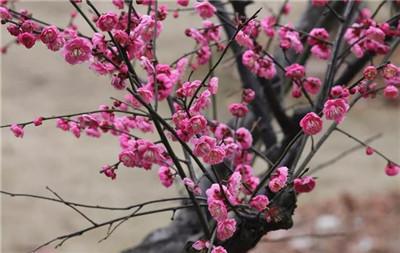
(38, 82)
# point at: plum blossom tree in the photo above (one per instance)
(227, 206)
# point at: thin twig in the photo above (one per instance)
(72, 206)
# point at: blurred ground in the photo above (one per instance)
(39, 82)
(342, 224)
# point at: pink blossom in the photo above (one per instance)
(370, 72)
(375, 33)
(29, 26)
(197, 124)
(214, 192)
(99, 42)
(321, 51)
(166, 176)
(312, 85)
(121, 37)
(282, 173)
(18, 130)
(234, 183)
(295, 71)
(244, 40)
(146, 94)
(218, 210)
(391, 92)
(212, 32)
(13, 29)
(128, 158)
(101, 68)
(183, 3)
(226, 229)
(118, 3)
(131, 100)
(267, 24)
(311, 123)
(335, 109)
(238, 109)
(286, 9)
(192, 186)
(77, 50)
(203, 55)
(319, 3)
(75, 129)
(27, 39)
(109, 171)
(144, 124)
(222, 131)
(275, 184)
(390, 71)
(392, 169)
(290, 39)
(249, 59)
(205, 9)
(266, 68)
(244, 137)
(251, 183)
(296, 90)
(106, 22)
(62, 124)
(318, 35)
(204, 145)
(369, 150)
(118, 83)
(245, 170)
(202, 102)
(57, 44)
(197, 36)
(261, 66)
(213, 85)
(305, 184)
(93, 132)
(248, 95)
(278, 180)
(38, 121)
(259, 202)
(188, 89)
(4, 13)
(49, 34)
(219, 249)
(200, 244)
(215, 156)
(339, 91)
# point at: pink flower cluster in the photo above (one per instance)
(201, 245)
(260, 65)
(305, 184)
(209, 33)
(290, 39)
(335, 108)
(166, 176)
(367, 36)
(267, 24)
(241, 109)
(143, 153)
(279, 179)
(317, 39)
(205, 9)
